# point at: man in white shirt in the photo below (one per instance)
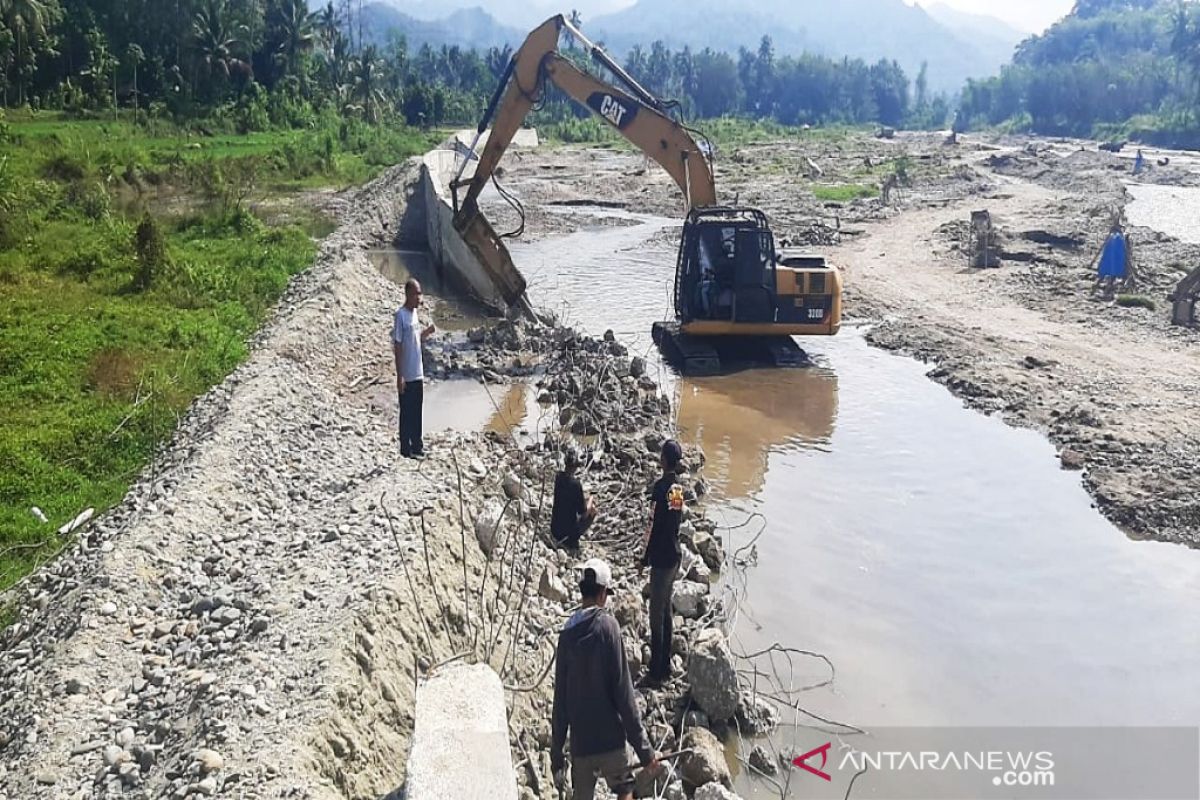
(407, 336)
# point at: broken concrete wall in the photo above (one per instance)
(465, 267)
(460, 745)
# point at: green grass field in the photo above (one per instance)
(132, 273)
(722, 132)
(843, 192)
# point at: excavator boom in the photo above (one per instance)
(634, 112)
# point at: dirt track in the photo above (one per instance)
(1113, 387)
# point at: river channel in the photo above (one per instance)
(953, 573)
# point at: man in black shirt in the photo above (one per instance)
(573, 511)
(594, 699)
(663, 556)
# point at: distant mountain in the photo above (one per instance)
(964, 22)
(956, 46)
(522, 14)
(467, 27)
(994, 39)
(867, 29)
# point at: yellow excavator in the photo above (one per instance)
(736, 297)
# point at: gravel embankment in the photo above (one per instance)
(251, 621)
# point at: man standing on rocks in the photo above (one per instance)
(573, 511)
(663, 555)
(410, 373)
(594, 699)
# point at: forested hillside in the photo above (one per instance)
(252, 65)
(1111, 68)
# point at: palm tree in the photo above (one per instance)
(497, 59)
(295, 25)
(576, 19)
(136, 56)
(327, 21)
(214, 41)
(30, 15)
(368, 88)
(28, 20)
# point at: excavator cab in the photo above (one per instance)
(726, 269)
(737, 299)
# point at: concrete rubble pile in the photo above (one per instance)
(595, 390)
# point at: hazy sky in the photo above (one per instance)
(1029, 16)
(1032, 16)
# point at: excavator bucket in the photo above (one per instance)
(489, 250)
(465, 246)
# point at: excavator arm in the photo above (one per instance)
(635, 113)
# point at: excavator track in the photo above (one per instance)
(711, 355)
(691, 355)
(782, 351)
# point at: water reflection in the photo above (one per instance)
(510, 408)
(451, 313)
(739, 420)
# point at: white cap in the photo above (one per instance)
(600, 569)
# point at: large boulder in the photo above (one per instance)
(550, 587)
(513, 489)
(630, 611)
(756, 715)
(761, 761)
(712, 675)
(695, 568)
(688, 599)
(714, 791)
(633, 655)
(710, 549)
(705, 761)
(487, 527)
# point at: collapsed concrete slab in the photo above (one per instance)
(460, 745)
(474, 259)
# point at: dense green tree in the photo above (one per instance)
(329, 25)
(214, 40)
(292, 30)
(497, 59)
(762, 81)
(714, 82)
(369, 95)
(1109, 64)
(658, 68)
(250, 64)
(29, 21)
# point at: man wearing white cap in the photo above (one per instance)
(593, 697)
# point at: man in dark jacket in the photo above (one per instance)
(593, 697)
(663, 555)
(573, 511)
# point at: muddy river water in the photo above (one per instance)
(954, 574)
